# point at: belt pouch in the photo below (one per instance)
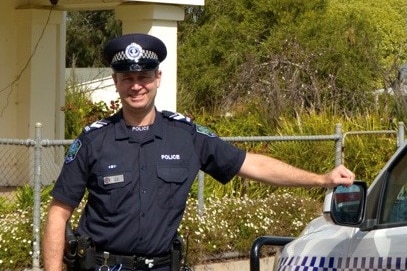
(88, 259)
(86, 253)
(176, 254)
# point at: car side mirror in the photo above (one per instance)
(348, 204)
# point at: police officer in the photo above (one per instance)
(138, 167)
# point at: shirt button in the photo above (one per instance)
(143, 214)
(143, 191)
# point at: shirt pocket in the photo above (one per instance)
(114, 192)
(172, 189)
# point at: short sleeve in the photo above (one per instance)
(71, 183)
(219, 158)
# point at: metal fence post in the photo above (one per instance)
(201, 180)
(338, 160)
(400, 135)
(37, 198)
(338, 144)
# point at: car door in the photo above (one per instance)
(383, 245)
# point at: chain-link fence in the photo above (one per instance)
(35, 163)
(26, 167)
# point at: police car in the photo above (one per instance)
(360, 229)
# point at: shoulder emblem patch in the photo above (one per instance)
(205, 131)
(73, 151)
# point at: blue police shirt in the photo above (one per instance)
(138, 188)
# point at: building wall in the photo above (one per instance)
(31, 75)
(32, 69)
(8, 67)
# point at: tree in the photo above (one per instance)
(289, 56)
(87, 32)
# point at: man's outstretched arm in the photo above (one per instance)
(273, 171)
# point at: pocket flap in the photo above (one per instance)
(172, 174)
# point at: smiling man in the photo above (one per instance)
(138, 167)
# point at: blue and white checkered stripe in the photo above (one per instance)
(146, 54)
(309, 263)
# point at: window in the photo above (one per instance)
(394, 206)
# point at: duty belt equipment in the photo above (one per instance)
(132, 262)
(80, 253)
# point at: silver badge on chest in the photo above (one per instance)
(113, 179)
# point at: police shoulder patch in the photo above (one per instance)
(96, 125)
(176, 116)
(73, 151)
(205, 131)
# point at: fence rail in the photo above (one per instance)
(22, 162)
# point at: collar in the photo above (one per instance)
(121, 131)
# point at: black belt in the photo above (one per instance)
(132, 262)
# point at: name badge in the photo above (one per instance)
(113, 179)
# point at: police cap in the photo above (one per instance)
(134, 52)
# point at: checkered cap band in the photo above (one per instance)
(146, 54)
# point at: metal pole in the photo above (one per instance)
(339, 159)
(400, 135)
(201, 179)
(338, 145)
(37, 198)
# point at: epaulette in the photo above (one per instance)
(96, 125)
(179, 117)
(176, 116)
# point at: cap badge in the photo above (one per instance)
(134, 51)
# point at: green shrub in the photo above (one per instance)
(364, 154)
(15, 239)
(232, 224)
(80, 110)
(228, 224)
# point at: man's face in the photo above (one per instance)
(137, 90)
